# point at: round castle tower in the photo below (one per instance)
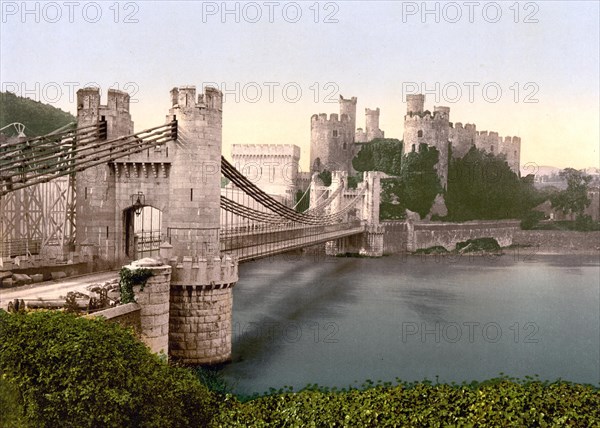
(332, 140)
(423, 127)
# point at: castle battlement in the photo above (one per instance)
(426, 116)
(334, 118)
(260, 150)
(214, 273)
(185, 97)
(89, 98)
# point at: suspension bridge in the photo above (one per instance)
(98, 193)
(40, 178)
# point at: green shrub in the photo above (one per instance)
(500, 402)
(479, 244)
(584, 223)
(531, 219)
(438, 249)
(78, 372)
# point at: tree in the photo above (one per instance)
(574, 198)
(325, 177)
(382, 154)
(419, 182)
(482, 186)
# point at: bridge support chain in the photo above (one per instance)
(154, 304)
(201, 304)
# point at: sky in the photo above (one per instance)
(518, 68)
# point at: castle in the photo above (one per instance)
(334, 141)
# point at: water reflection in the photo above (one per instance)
(339, 320)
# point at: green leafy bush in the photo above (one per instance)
(129, 279)
(437, 249)
(479, 244)
(78, 372)
(531, 219)
(500, 402)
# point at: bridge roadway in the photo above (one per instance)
(253, 244)
(241, 242)
(51, 290)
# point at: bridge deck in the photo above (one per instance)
(248, 246)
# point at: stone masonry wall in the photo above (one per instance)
(127, 315)
(154, 304)
(559, 242)
(407, 236)
(201, 307)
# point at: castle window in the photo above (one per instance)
(344, 146)
(414, 147)
(419, 134)
(515, 154)
(492, 149)
(335, 133)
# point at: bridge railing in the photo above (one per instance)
(264, 240)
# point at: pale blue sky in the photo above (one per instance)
(369, 53)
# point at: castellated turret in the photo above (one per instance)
(95, 207)
(432, 129)
(415, 104)
(348, 107)
(372, 130)
(332, 138)
(195, 181)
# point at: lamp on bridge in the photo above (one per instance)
(138, 205)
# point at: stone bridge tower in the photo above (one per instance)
(98, 226)
(201, 297)
(181, 179)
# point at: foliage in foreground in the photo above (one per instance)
(501, 402)
(61, 370)
(79, 372)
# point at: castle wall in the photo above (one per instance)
(436, 130)
(462, 138)
(408, 236)
(273, 168)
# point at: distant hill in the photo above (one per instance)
(38, 118)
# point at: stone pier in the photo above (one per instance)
(154, 303)
(201, 309)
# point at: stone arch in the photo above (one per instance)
(142, 232)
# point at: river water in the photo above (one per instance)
(337, 322)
